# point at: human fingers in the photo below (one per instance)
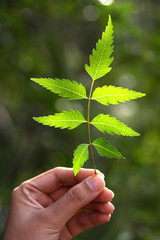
(58, 177)
(101, 203)
(76, 198)
(106, 196)
(81, 222)
(106, 208)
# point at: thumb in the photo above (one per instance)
(76, 198)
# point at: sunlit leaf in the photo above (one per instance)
(100, 59)
(113, 95)
(64, 88)
(68, 119)
(105, 149)
(80, 156)
(107, 124)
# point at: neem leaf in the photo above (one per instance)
(107, 124)
(113, 95)
(100, 59)
(68, 119)
(99, 65)
(80, 156)
(105, 149)
(65, 88)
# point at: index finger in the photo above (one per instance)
(56, 178)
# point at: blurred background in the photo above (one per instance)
(54, 39)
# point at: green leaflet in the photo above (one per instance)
(100, 59)
(99, 65)
(105, 149)
(68, 119)
(107, 124)
(80, 156)
(113, 95)
(65, 88)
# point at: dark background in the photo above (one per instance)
(54, 39)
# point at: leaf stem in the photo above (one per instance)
(89, 131)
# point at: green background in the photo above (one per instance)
(54, 39)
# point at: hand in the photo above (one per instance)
(49, 206)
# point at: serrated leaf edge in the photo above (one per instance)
(85, 97)
(75, 173)
(71, 110)
(137, 134)
(116, 95)
(106, 149)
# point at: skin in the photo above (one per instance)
(49, 206)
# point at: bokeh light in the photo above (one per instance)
(106, 2)
(91, 13)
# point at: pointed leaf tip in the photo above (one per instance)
(101, 59)
(35, 118)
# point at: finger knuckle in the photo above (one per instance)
(19, 190)
(57, 168)
(74, 195)
(23, 186)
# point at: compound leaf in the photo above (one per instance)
(105, 149)
(113, 95)
(67, 119)
(80, 156)
(100, 59)
(107, 124)
(65, 88)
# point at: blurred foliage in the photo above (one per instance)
(54, 39)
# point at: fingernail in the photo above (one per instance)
(95, 183)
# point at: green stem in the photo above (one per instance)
(89, 131)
